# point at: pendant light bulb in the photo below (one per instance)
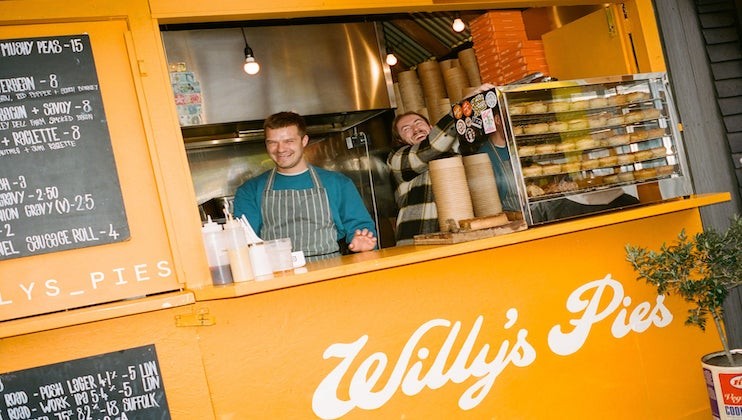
(251, 66)
(458, 24)
(391, 59)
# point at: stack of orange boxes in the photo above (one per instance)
(503, 50)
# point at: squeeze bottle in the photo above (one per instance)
(216, 252)
(238, 251)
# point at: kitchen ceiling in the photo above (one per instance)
(414, 37)
(417, 37)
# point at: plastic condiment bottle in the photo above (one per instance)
(216, 252)
(238, 251)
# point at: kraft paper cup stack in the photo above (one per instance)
(450, 190)
(456, 81)
(411, 91)
(469, 91)
(468, 61)
(447, 64)
(431, 79)
(482, 185)
(424, 112)
(398, 96)
(440, 108)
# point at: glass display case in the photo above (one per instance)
(587, 146)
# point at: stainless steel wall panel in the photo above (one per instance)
(309, 69)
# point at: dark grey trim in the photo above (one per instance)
(709, 143)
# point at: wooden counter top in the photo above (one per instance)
(403, 255)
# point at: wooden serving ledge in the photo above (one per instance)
(476, 228)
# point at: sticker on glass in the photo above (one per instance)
(460, 127)
(491, 99)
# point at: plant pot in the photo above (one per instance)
(724, 384)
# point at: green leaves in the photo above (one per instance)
(701, 269)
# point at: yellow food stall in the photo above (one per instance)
(542, 323)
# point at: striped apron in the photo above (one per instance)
(302, 215)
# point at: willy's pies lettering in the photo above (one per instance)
(418, 367)
(114, 277)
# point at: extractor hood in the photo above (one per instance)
(312, 69)
(213, 135)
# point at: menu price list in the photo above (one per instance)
(119, 385)
(59, 187)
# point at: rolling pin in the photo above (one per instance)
(485, 222)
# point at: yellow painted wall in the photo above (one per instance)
(148, 149)
(642, 23)
(174, 11)
(91, 275)
(263, 357)
(179, 355)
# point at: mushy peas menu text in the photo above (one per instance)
(59, 187)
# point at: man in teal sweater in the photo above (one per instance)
(314, 207)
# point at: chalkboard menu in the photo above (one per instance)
(59, 188)
(120, 385)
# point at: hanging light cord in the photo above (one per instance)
(248, 50)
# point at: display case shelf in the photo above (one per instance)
(569, 139)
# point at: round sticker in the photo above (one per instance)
(460, 127)
(470, 135)
(457, 113)
(491, 99)
(466, 107)
(467, 120)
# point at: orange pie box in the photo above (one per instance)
(518, 68)
(480, 36)
(513, 76)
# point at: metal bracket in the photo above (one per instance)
(356, 140)
(200, 318)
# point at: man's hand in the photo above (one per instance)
(363, 240)
(483, 88)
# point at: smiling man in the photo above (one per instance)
(417, 142)
(314, 207)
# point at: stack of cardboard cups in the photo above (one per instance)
(447, 64)
(434, 90)
(456, 81)
(468, 60)
(482, 185)
(398, 96)
(451, 192)
(411, 92)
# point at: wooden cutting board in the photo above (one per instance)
(443, 238)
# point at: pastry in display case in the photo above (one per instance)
(587, 146)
